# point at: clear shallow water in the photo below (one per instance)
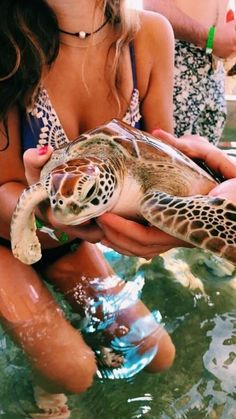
(202, 382)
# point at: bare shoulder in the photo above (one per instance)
(154, 49)
(155, 30)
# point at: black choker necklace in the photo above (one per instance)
(82, 34)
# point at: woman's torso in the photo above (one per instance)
(73, 114)
(78, 85)
(79, 93)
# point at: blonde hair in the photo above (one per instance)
(126, 24)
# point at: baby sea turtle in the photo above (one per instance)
(128, 172)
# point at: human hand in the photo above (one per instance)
(195, 146)
(34, 160)
(134, 239)
(225, 40)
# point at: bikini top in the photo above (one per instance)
(40, 124)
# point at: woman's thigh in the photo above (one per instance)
(30, 315)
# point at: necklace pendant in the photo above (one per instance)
(82, 35)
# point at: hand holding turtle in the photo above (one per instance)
(34, 159)
(131, 238)
(195, 146)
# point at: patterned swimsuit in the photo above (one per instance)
(41, 125)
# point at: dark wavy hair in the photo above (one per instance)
(29, 39)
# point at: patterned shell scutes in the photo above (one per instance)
(144, 146)
(130, 141)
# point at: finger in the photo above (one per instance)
(116, 248)
(193, 146)
(194, 137)
(129, 246)
(33, 162)
(92, 234)
(144, 235)
(215, 158)
(225, 190)
(165, 136)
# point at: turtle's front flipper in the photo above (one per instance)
(206, 222)
(24, 241)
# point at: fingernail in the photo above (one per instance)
(43, 150)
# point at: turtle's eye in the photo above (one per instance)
(87, 190)
(90, 192)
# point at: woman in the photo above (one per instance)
(69, 67)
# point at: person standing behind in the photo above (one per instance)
(203, 35)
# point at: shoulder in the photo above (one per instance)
(154, 57)
(154, 41)
(155, 38)
(155, 28)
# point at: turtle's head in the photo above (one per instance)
(81, 189)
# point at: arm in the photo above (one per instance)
(188, 29)
(12, 178)
(13, 182)
(154, 48)
(185, 28)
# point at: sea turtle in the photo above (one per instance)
(126, 171)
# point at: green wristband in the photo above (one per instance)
(63, 237)
(210, 40)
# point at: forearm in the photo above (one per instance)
(185, 28)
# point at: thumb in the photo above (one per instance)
(34, 159)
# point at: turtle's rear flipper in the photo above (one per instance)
(206, 222)
(24, 241)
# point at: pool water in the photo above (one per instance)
(199, 311)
